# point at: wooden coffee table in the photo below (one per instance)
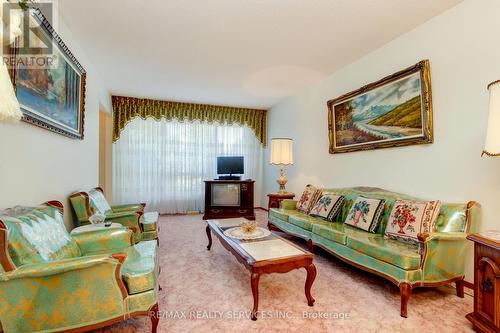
(271, 254)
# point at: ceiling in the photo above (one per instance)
(247, 53)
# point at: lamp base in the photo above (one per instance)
(282, 181)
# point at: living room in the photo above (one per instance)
(195, 166)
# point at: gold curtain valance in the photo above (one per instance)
(127, 108)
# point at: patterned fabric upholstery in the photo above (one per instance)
(98, 202)
(305, 221)
(60, 282)
(439, 258)
(410, 218)
(140, 269)
(39, 236)
(60, 295)
(308, 198)
(328, 206)
(149, 221)
(332, 231)
(149, 235)
(85, 204)
(452, 216)
(365, 213)
(103, 241)
(391, 251)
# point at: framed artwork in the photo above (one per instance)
(394, 111)
(52, 97)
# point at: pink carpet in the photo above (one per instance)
(209, 291)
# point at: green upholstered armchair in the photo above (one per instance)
(85, 204)
(52, 281)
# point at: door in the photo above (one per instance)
(106, 154)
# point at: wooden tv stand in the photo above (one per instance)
(244, 207)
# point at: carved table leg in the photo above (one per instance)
(154, 315)
(311, 275)
(209, 235)
(405, 290)
(271, 227)
(310, 245)
(460, 288)
(255, 292)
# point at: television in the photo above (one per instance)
(230, 165)
(225, 195)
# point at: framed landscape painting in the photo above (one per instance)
(51, 95)
(395, 111)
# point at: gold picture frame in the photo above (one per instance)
(392, 112)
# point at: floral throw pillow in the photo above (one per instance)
(409, 218)
(365, 213)
(308, 198)
(328, 206)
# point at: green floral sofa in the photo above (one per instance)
(437, 260)
(52, 281)
(85, 204)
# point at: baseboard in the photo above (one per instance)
(261, 208)
(468, 285)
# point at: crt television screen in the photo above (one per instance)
(225, 195)
(230, 165)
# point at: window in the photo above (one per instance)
(164, 163)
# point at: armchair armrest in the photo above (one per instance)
(289, 204)
(128, 219)
(443, 255)
(43, 270)
(103, 241)
(129, 213)
(73, 290)
(451, 236)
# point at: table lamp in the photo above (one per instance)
(282, 154)
(492, 144)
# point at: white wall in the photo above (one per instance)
(463, 47)
(37, 165)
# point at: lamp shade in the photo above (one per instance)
(492, 145)
(281, 151)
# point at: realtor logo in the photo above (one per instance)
(24, 29)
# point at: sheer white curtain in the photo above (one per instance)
(163, 163)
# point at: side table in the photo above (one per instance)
(486, 315)
(276, 198)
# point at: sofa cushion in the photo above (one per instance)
(140, 269)
(284, 214)
(327, 206)
(308, 198)
(281, 214)
(409, 218)
(301, 221)
(365, 213)
(351, 194)
(331, 231)
(305, 221)
(397, 253)
(39, 236)
(99, 202)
